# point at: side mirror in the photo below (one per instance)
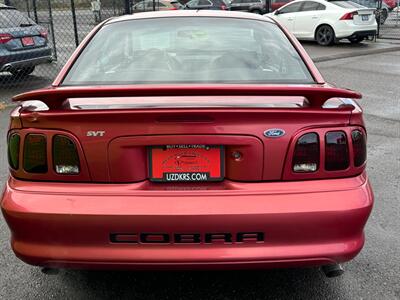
(276, 12)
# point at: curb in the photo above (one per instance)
(355, 54)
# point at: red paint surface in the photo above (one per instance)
(305, 223)
(307, 219)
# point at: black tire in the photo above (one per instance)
(256, 11)
(22, 72)
(356, 40)
(325, 36)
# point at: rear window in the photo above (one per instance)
(291, 8)
(204, 2)
(347, 4)
(13, 18)
(188, 50)
(311, 6)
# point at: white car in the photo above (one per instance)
(327, 22)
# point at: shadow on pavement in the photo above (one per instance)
(275, 283)
(341, 45)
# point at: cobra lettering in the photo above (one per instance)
(187, 238)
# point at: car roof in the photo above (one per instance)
(151, 1)
(318, 1)
(327, 3)
(191, 13)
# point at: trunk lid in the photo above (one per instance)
(364, 16)
(116, 130)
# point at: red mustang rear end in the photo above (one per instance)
(186, 140)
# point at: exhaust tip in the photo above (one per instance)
(331, 271)
(50, 271)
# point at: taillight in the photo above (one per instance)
(44, 33)
(65, 156)
(5, 38)
(336, 151)
(349, 16)
(359, 147)
(306, 153)
(35, 153)
(13, 151)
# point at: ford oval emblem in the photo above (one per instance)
(274, 132)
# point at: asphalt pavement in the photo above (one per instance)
(373, 274)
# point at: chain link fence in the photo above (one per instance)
(38, 36)
(389, 25)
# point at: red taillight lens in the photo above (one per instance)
(35, 153)
(5, 38)
(13, 151)
(65, 156)
(359, 147)
(306, 153)
(336, 151)
(44, 33)
(349, 16)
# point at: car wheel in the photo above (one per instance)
(22, 72)
(356, 40)
(256, 11)
(325, 35)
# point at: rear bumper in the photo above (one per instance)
(26, 58)
(363, 33)
(304, 224)
(346, 29)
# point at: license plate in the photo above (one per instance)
(364, 17)
(186, 163)
(28, 41)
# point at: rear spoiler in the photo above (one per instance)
(316, 95)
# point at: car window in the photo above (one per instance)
(347, 4)
(13, 18)
(294, 7)
(192, 3)
(149, 5)
(176, 4)
(310, 6)
(367, 3)
(188, 50)
(140, 5)
(204, 2)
